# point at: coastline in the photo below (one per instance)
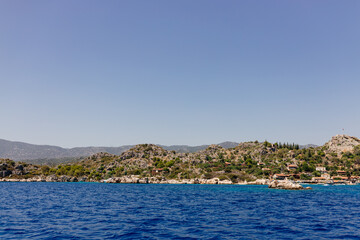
(128, 179)
(153, 180)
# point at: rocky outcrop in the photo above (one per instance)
(126, 179)
(260, 182)
(144, 151)
(342, 143)
(211, 181)
(226, 182)
(288, 185)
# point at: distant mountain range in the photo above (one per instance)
(21, 151)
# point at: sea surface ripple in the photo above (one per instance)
(137, 211)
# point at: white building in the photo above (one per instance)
(321, 169)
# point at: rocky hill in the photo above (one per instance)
(16, 169)
(247, 161)
(342, 143)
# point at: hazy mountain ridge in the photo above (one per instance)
(308, 146)
(191, 149)
(21, 151)
(38, 154)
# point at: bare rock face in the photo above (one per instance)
(173, 181)
(143, 151)
(259, 182)
(212, 181)
(285, 185)
(126, 179)
(342, 143)
(225, 182)
(213, 149)
(52, 178)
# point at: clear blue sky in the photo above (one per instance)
(109, 73)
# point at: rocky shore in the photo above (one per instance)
(52, 178)
(124, 179)
(153, 180)
(130, 179)
(134, 179)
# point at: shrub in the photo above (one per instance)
(305, 177)
(45, 170)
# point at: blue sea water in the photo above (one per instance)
(136, 211)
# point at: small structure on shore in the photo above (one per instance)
(292, 167)
(341, 172)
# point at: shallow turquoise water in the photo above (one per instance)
(137, 211)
